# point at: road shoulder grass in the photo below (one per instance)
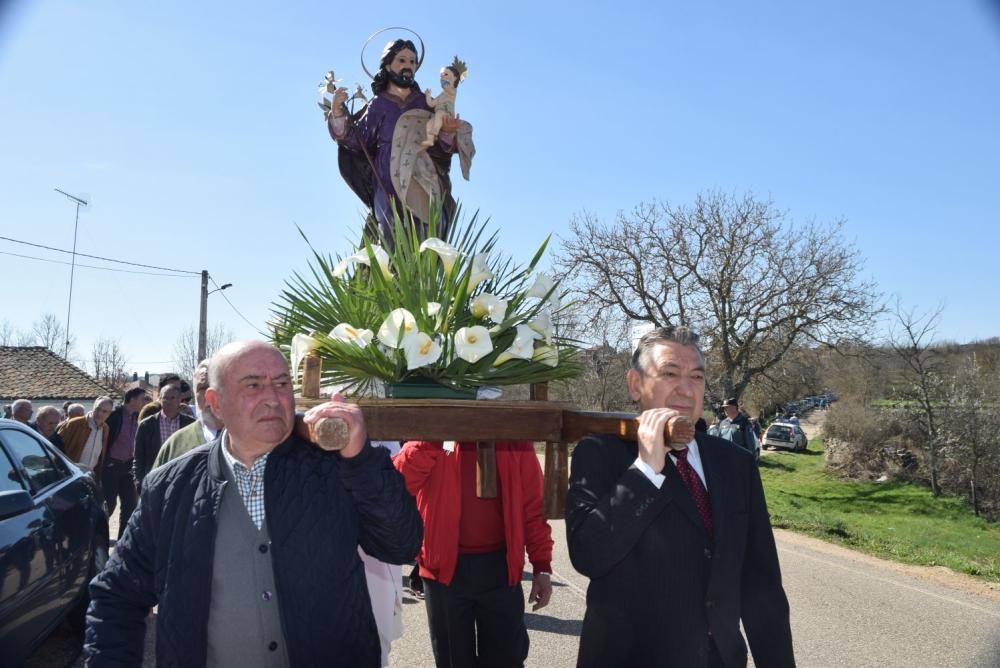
(898, 521)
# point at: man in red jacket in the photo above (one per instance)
(473, 551)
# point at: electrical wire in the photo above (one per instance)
(236, 310)
(90, 266)
(134, 264)
(98, 257)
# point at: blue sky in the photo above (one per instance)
(194, 128)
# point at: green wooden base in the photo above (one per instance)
(426, 389)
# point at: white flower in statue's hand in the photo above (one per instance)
(479, 271)
(522, 348)
(362, 257)
(447, 252)
(347, 334)
(473, 343)
(302, 345)
(398, 328)
(547, 355)
(487, 305)
(542, 288)
(421, 350)
(543, 324)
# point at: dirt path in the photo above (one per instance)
(812, 424)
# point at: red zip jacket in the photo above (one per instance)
(432, 476)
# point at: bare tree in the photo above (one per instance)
(6, 333)
(910, 337)
(969, 421)
(109, 363)
(735, 268)
(25, 338)
(48, 331)
(186, 347)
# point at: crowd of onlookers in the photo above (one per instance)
(119, 445)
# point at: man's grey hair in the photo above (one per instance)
(19, 404)
(202, 367)
(682, 334)
(45, 410)
(103, 400)
(80, 409)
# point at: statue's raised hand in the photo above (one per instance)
(339, 100)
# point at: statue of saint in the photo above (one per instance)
(380, 147)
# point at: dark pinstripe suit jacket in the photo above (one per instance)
(661, 591)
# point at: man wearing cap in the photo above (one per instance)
(736, 428)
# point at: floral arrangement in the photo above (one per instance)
(450, 310)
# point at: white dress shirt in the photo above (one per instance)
(694, 459)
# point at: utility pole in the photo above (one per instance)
(203, 319)
(72, 270)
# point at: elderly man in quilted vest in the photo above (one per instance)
(249, 543)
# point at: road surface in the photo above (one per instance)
(848, 610)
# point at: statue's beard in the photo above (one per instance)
(403, 78)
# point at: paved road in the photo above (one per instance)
(848, 610)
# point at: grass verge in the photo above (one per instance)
(897, 521)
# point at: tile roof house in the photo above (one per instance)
(38, 374)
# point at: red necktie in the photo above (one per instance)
(697, 489)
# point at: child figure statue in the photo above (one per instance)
(444, 104)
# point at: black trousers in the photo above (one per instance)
(478, 619)
(118, 482)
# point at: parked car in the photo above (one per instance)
(784, 435)
(53, 540)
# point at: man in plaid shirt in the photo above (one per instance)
(156, 429)
(249, 544)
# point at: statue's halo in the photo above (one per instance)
(420, 56)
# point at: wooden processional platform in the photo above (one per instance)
(554, 423)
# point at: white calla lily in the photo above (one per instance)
(488, 306)
(421, 350)
(543, 324)
(544, 285)
(479, 272)
(473, 343)
(447, 252)
(302, 345)
(381, 256)
(547, 355)
(398, 328)
(347, 334)
(433, 308)
(523, 346)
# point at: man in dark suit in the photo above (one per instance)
(156, 429)
(676, 540)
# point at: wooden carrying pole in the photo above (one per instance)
(556, 424)
(575, 425)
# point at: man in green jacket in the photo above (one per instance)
(199, 432)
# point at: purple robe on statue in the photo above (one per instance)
(369, 138)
